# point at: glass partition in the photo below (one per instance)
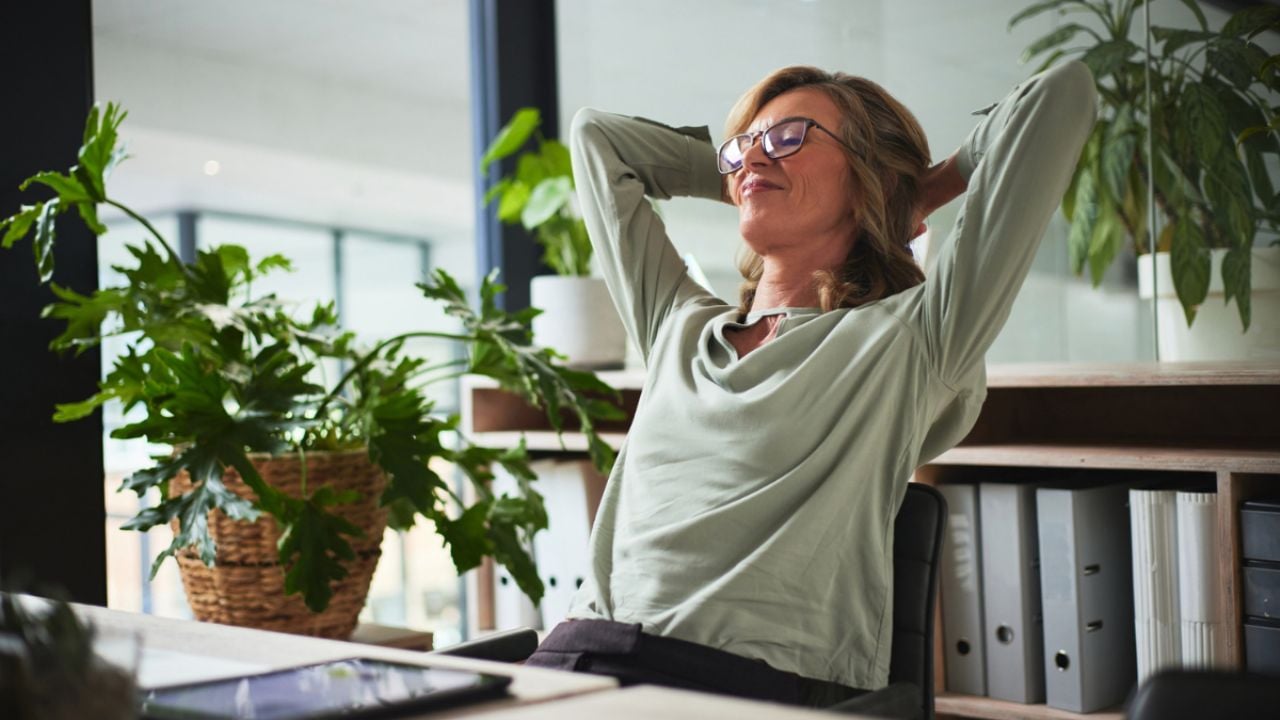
(686, 63)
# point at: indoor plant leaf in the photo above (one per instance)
(1052, 40)
(1107, 57)
(1039, 8)
(1237, 267)
(1189, 263)
(512, 136)
(546, 200)
(1202, 114)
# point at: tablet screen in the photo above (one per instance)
(351, 688)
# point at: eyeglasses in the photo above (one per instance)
(781, 139)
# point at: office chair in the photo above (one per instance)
(1205, 695)
(917, 546)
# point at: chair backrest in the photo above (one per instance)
(917, 547)
(1205, 695)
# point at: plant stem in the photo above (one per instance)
(368, 358)
(176, 258)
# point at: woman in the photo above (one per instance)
(744, 542)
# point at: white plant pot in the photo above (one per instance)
(1216, 333)
(578, 320)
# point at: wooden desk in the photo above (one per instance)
(186, 651)
(645, 702)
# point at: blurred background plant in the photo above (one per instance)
(1212, 125)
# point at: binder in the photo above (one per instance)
(1011, 592)
(1086, 591)
(1198, 580)
(1153, 519)
(962, 623)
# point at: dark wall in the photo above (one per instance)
(52, 514)
(513, 65)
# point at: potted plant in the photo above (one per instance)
(48, 667)
(279, 485)
(579, 318)
(1211, 122)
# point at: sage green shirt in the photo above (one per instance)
(751, 507)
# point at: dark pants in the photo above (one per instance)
(622, 651)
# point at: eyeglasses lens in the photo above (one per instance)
(779, 141)
(784, 139)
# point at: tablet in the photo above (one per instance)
(353, 688)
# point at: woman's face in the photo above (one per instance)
(802, 201)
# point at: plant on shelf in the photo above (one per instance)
(227, 377)
(538, 194)
(1211, 118)
(48, 668)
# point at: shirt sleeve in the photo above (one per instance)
(617, 161)
(1018, 162)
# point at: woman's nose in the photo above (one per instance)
(754, 155)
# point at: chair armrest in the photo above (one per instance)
(506, 646)
(899, 701)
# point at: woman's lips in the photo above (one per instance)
(755, 185)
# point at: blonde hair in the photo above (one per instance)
(892, 155)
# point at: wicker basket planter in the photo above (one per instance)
(246, 585)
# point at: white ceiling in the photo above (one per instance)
(408, 47)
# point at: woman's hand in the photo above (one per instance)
(941, 184)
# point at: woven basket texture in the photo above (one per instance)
(245, 586)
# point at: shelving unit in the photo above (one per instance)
(1217, 419)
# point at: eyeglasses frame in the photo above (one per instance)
(759, 134)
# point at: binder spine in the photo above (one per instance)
(1155, 580)
(1198, 580)
(961, 571)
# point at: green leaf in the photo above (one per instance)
(99, 154)
(19, 223)
(513, 201)
(1051, 40)
(1117, 154)
(69, 189)
(1194, 5)
(498, 189)
(530, 170)
(556, 159)
(1236, 60)
(1174, 39)
(1107, 57)
(1039, 8)
(1253, 20)
(43, 244)
(546, 200)
(1189, 261)
(1226, 186)
(1106, 243)
(1083, 219)
(313, 546)
(1203, 115)
(1237, 280)
(512, 136)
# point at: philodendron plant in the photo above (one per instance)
(221, 372)
(539, 194)
(1211, 118)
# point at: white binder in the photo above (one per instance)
(1198, 578)
(962, 630)
(562, 549)
(1011, 592)
(1153, 521)
(1086, 592)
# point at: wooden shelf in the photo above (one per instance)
(1113, 457)
(544, 440)
(983, 707)
(1094, 375)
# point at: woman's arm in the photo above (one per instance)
(617, 162)
(1015, 165)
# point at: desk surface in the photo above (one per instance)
(187, 651)
(645, 702)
